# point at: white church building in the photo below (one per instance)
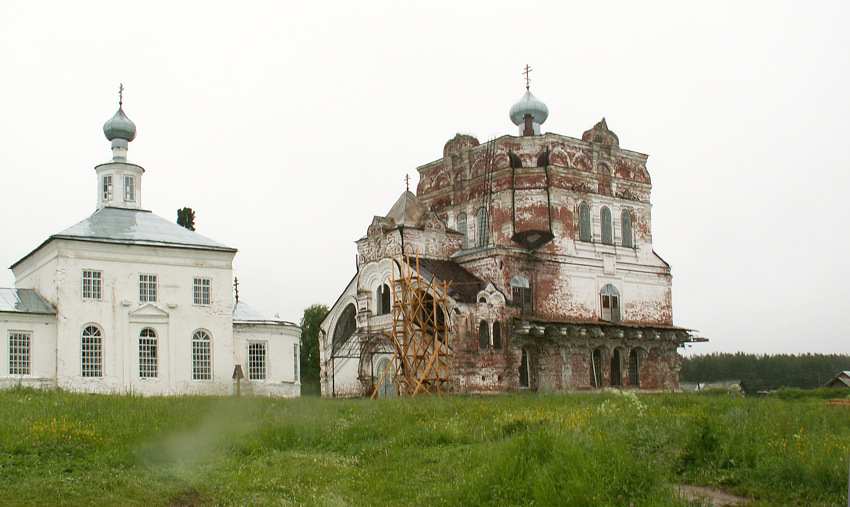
(128, 302)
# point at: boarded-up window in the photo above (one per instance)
(610, 297)
(626, 229)
(461, 228)
(607, 228)
(483, 335)
(522, 295)
(584, 223)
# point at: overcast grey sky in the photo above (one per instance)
(287, 126)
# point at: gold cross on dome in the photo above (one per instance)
(527, 80)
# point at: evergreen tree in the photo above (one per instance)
(313, 316)
(186, 218)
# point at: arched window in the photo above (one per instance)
(461, 228)
(626, 229)
(148, 353)
(345, 327)
(634, 368)
(607, 229)
(616, 372)
(524, 370)
(383, 301)
(596, 368)
(610, 299)
(521, 293)
(482, 224)
(584, 223)
(483, 335)
(497, 335)
(201, 356)
(91, 348)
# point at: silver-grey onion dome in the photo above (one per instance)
(529, 104)
(119, 127)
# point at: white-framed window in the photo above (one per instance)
(256, 361)
(296, 361)
(129, 188)
(148, 357)
(201, 356)
(92, 284)
(91, 349)
(20, 343)
(107, 187)
(610, 303)
(147, 288)
(201, 291)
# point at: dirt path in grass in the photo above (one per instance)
(713, 497)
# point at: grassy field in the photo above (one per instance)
(581, 449)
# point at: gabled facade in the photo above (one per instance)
(547, 242)
(126, 301)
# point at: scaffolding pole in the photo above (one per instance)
(420, 333)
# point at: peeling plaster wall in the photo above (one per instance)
(551, 177)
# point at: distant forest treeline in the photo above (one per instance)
(764, 372)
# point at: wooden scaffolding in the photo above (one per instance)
(420, 333)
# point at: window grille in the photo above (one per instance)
(483, 227)
(201, 356)
(201, 291)
(256, 361)
(19, 352)
(296, 361)
(92, 283)
(634, 368)
(92, 352)
(107, 187)
(148, 353)
(129, 188)
(147, 288)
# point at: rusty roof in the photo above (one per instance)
(464, 285)
(24, 301)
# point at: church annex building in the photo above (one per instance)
(545, 243)
(128, 302)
